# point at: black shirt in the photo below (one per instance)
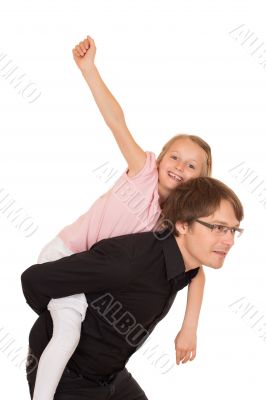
(130, 283)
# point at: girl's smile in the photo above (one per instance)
(176, 177)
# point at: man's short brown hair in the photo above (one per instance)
(196, 198)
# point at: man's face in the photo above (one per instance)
(201, 246)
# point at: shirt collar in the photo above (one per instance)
(174, 261)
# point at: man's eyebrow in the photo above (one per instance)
(224, 223)
(174, 151)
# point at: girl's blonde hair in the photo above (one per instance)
(196, 139)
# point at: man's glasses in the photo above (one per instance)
(221, 229)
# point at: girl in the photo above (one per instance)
(132, 205)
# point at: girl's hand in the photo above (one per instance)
(84, 53)
(185, 344)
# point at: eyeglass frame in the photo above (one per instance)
(233, 230)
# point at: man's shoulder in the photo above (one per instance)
(128, 242)
(128, 237)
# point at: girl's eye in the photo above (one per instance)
(191, 166)
(174, 157)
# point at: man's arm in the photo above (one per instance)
(105, 266)
(54, 250)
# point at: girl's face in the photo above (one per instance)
(183, 160)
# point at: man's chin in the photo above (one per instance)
(218, 265)
(215, 265)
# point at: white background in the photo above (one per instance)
(175, 68)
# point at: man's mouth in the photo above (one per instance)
(177, 178)
(220, 253)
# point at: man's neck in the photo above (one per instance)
(189, 261)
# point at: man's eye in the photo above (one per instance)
(219, 228)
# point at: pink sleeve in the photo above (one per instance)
(148, 169)
(144, 182)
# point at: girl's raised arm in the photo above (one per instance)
(84, 54)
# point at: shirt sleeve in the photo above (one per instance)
(148, 175)
(148, 168)
(104, 267)
(55, 250)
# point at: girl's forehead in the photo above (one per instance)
(185, 145)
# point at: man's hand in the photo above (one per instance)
(84, 53)
(185, 344)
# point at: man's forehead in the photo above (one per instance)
(223, 222)
(224, 216)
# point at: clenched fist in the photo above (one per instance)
(84, 53)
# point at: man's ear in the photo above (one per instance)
(181, 227)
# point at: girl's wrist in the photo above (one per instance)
(86, 71)
(189, 326)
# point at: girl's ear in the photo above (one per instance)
(181, 227)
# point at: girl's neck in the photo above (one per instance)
(163, 194)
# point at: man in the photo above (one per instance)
(130, 283)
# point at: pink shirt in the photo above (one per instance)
(130, 206)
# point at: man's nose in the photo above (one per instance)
(228, 238)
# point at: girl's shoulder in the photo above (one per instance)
(148, 171)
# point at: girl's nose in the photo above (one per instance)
(179, 165)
